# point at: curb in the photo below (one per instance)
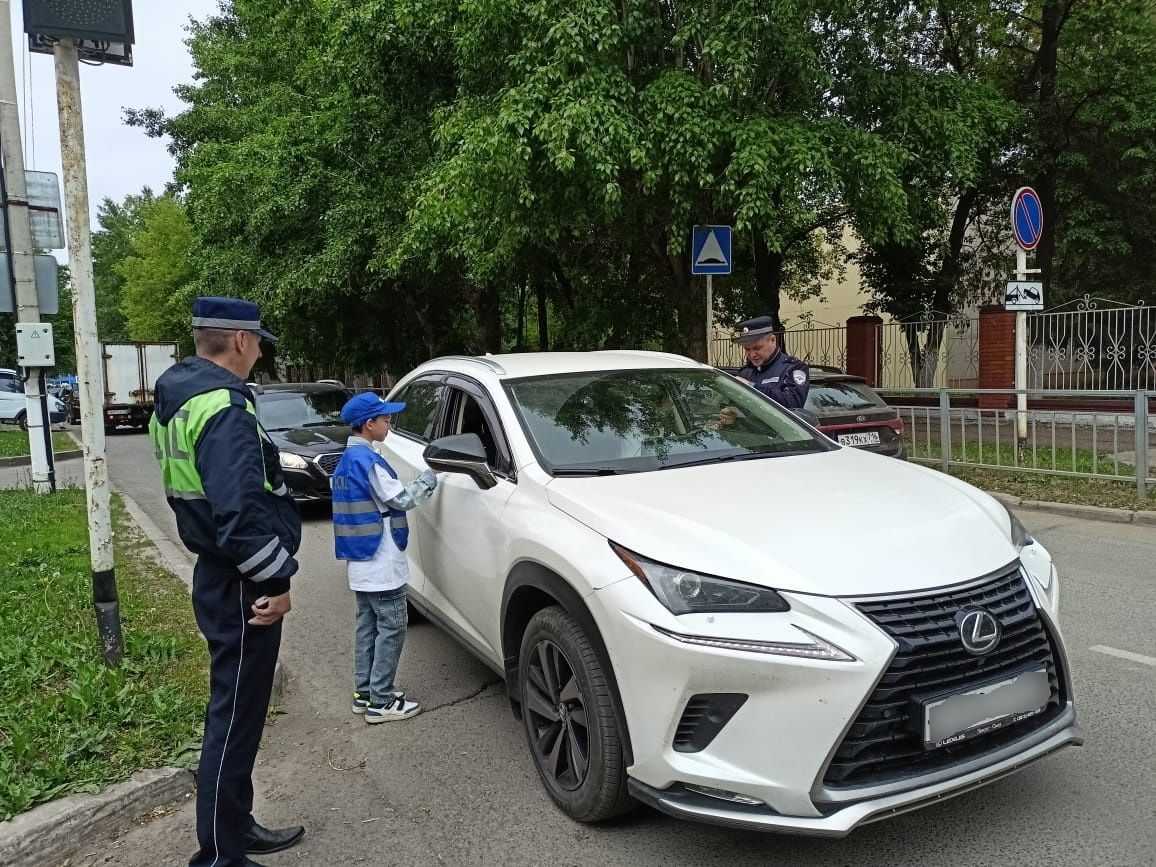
(55, 831)
(1073, 510)
(26, 460)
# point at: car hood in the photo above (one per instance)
(838, 523)
(311, 441)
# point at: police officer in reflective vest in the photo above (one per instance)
(223, 480)
(781, 377)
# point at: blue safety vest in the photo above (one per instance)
(358, 522)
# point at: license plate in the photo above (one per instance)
(984, 709)
(117, 412)
(868, 438)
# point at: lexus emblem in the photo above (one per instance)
(860, 418)
(979, 631)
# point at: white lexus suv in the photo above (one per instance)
(699, 602)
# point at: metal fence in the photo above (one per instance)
(1093, 344)
(816, 343)
(1114, 446)
(931, 351)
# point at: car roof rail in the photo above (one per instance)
(477, 359)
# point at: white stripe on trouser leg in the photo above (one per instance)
(229, 730)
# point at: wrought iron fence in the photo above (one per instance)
(935, 350)
(1093, 344)
(816, 343)
(1113, 446)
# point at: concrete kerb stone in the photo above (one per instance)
(26, 460)
(52, 832)
(1075, 510)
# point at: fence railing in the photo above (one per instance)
(1112, 446)
(1093, 344)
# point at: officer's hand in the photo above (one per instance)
(269, 609)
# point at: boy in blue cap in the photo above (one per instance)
(371, 533)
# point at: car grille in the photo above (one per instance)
(885, 743)
(327, 463)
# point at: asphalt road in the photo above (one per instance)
(456, 784)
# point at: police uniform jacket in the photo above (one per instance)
(222, 475)
(783, 378)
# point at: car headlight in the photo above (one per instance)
(686, 592)
(291, 461)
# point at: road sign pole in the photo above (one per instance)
(1021, 376)
(18, 239)
(709, 315)
(90, 387)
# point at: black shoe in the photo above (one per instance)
(262, 841)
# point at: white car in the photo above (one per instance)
(701, 603)
(14, 406)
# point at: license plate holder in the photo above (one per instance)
(984, 708)
(858, 440)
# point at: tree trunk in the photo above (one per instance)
(689, 296)
(543, 319)
(768, 277)
(520, 345)
(488, 305)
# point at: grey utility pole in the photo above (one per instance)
(18, 237)
(90, 385)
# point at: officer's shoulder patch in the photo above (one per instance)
(800, 376)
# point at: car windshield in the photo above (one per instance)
(285, 410)
(841, 394)
(607, 422)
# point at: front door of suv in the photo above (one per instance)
(412, 429)
(462, 525)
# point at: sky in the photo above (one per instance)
(121, 159)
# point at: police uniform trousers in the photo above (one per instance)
(243, 658)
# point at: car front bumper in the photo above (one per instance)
(776, 748)
(310, 485)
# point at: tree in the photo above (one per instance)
(111, 245)
(159, 275)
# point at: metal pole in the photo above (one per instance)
(945, 429)
(1021, 380)
(1140, 423)
(90, 387)
(18, 237)
(709, 316)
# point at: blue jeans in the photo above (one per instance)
(381, 621)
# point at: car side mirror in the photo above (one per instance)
(463, 453)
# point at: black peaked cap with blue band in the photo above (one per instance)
(230, 314)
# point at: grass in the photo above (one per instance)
(1018, 482)
(67, 723)
(14, 443)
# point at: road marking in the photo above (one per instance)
(1124, 654)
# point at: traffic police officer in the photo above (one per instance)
(779, 376)
(223, 479)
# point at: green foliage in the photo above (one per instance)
(67, 723)
(111, 245)
(14, 443)
(159, 273)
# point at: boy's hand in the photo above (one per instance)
(269, 609)
(429, 478)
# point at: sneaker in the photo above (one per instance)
(394, 709)
(360, 702)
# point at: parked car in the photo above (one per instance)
(738, 622)
(14, 407)
(304, 420)
(849, 411)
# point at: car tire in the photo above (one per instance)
(568, 715)
(22, 420)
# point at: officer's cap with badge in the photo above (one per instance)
(366, 407)
(754, 329)
(229, 314)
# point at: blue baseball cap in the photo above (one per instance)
(366, 407)
(231, 314)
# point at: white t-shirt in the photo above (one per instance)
(389, 568)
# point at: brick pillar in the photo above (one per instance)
(997, 355)
(863, 348)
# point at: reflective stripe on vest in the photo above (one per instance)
(358, 525)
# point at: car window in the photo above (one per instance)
(285, 410)
(13, 385)
(421, 401)
(841, 395)
(637, 420)
(468, 417)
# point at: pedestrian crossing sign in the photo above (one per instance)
(710, 250)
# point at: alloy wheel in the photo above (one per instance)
(556, 712)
